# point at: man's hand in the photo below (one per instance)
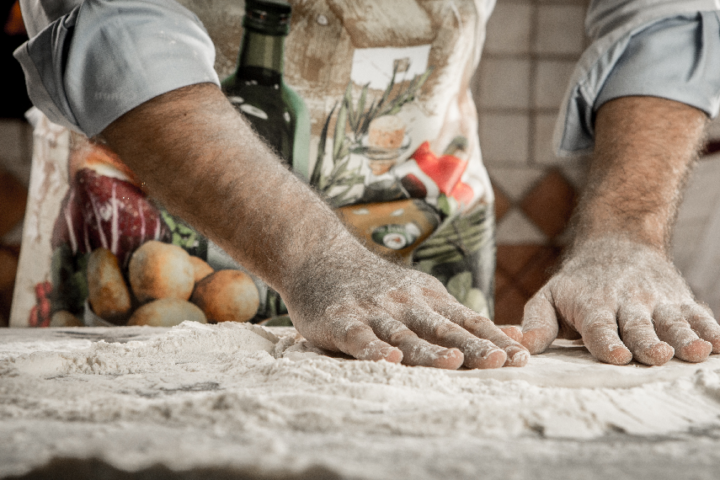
(613, 289)
(202, 160)
(617, 288)
(352, 301)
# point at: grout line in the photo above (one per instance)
(534, 15)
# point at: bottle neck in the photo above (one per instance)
(261, 57)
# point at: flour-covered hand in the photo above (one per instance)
(627, 301)
(340, 296)
(359, 304)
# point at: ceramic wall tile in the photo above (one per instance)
(504, 138)
(543, 127)
(560, 29)
(509, 29)
(551, 80)
(504, 83)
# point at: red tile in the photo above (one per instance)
(538, 270)
(511, 259)
(501, 282)
(502, 203)
(509, 307)
(550, 203)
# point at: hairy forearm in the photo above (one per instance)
(644, 150)
(204, 163)
(200, 158)
(617, 286)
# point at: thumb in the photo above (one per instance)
(539, 324)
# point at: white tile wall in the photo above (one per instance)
(530, 52)
(504, 83)
(509, 29)
(551, 78)
(544, 124)
(504, 138)
(560, 29)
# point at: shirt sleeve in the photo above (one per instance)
(641, 47)
(105, 57)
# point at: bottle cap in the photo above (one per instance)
(271, 17)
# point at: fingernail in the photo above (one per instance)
(518, 359)
(392, 355)
(696, 351)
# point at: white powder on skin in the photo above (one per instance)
(237, 394)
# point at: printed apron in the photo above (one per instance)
(393, 149)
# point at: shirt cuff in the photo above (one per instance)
(675, 57)
(106, 57)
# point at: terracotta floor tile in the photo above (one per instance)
(509, 307)
(550, 203)
(502, 281)
(538, 270)
(502, 203)
(512, 258)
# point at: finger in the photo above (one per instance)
(671, 327)
(638, 335)
(704, 324)
(433, 327)
(416, 351)
(540, 323)
(600, 336)
(358, 340)
(512, 331)
(481, 327)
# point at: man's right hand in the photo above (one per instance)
(203, 161)
(352, 301)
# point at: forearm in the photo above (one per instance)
(204, 163)
(617, 287)
(644, 150)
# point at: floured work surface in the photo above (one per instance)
(236, 399)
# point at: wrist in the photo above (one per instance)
(613, 218)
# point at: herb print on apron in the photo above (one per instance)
(394, 131)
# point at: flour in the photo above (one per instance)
(232, 381)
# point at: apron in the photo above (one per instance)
(393, 148)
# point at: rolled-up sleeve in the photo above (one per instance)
(659, 48)
(106, 57)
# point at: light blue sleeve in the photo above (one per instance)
(659, 48)
(106, 57)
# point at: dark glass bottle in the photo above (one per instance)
(257, 88)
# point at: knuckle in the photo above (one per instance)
(401, 336)
(446, 329)
(351, 332)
